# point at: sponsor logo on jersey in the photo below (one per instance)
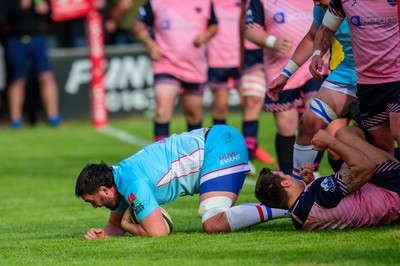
(282, 17)
(198, 9)
(165, 24)
(228, 158)
(360, 21)
(328, 184)
(135, 203)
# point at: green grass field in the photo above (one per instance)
(43, 223)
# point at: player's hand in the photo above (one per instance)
(321, 140)
(306, 173)
(283, 45)
(201, 39)
(155, 51)
(316, 67)
(126, 219)
(276, 86)
(95, 233)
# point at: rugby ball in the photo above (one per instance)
(167, 219)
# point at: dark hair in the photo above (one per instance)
(92, 177)
(269, 191)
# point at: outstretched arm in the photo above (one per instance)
(299, 57)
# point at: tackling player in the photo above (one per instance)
(364, 193)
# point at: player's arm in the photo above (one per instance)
(211, 31)
(151, 225)
(300, 56)
(359, 168)
(322, 42)
(112, 228)
(141, 29)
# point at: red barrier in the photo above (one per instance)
(70, 9)
(95, 35)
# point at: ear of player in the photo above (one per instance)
(167, 219)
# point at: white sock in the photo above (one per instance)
(249, 214)
(302, 154)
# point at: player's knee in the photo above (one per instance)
(216, 224)
(322, 110)
(212, 214)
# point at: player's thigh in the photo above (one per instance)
(286, 121)
(165, 95)
(337, 101)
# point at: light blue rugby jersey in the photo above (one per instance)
(147, 179)
(342, 34)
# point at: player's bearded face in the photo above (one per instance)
(111, 202)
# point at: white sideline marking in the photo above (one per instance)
(131, 139)
(125, 137)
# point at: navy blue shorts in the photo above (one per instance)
(188, 87)
(253, 60)
(295, 98)
(387, 176)
(27, 49)
(377, 101)
(222, 78)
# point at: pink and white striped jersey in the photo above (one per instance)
(176, 24)
(325, 203)
(291, 19)
(224, 47)
(374, 29)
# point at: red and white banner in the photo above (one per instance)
(95, 36)
(70, 9)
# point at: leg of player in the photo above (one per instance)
(220, 106)
(323, 110)
(252, 92)
(165, 94)
(286, 124)
(192, 106)
(218, 213)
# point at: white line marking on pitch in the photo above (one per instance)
(131, 139)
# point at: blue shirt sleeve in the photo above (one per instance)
(145, 14)
(255, 13)
(318, 14)
(141, 199)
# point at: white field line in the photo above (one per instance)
(131, 139)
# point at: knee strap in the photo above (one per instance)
(322, 110)
(212, 206)
(252, 85)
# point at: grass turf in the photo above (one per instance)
(42, 222)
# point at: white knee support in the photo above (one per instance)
(322, 110)
(212, 206)
(252, 85)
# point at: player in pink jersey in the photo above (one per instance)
(364, 193)
(252, 92)
(178, 52)
(224, 57)
(333, 98)
(278, 27)
(375, 40)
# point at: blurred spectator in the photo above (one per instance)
(25, 46)
(123, 14)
